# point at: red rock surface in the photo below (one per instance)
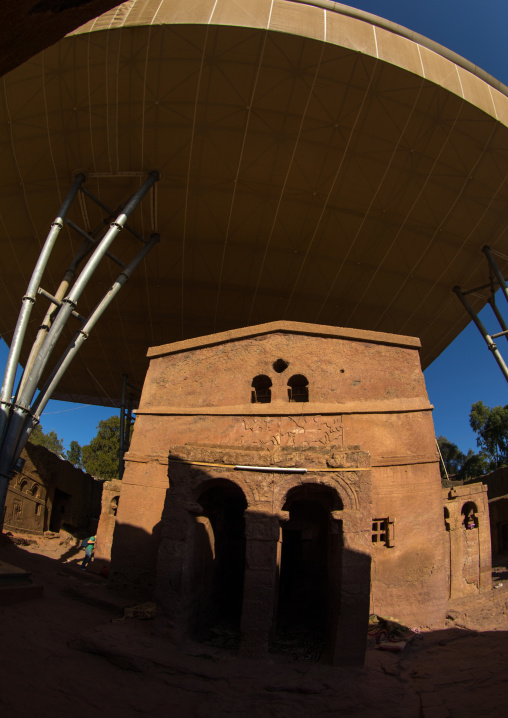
(63, 655)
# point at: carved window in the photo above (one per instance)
(34, 490)
(469, 516)
(23, 486)
(298, 388)
(383, 533)
(113, 506)
(280, 365)
(261, 389)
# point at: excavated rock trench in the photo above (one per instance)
(68, 651)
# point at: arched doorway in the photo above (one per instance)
(310, 570)
(471, 544)
(218, 563)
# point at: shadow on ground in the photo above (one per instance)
(77, 658)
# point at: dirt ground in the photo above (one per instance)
(68, 654)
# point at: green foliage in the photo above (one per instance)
(491, 426)
(100, 456)
(74, 454)
(474, 465)
(452, 456)
(49, 440)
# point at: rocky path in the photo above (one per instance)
(64, 653)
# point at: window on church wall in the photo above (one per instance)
(298, 388)
(383, 533)
(113, 506)
(261, 391)
(469, 516)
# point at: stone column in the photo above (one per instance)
(262, 534)
(485, 542)
(456, 552)
(173, 569)
(348, 645)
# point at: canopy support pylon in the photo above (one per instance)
(20, 410)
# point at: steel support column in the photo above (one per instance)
(18, 418)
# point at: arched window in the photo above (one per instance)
(23, 486)
(113, 505)
(298, 388)
(469, 516)
(261, 392)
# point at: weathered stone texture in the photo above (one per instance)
(50, 493)
(469, 559)
(365, 437)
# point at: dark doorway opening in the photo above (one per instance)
(59, 510)
(219, 565)
(309, 585)
(502, 529)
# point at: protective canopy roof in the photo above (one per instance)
(314, 167)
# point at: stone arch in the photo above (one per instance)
(23, 485)
(217, 559)
(298, 388)
(469, 513)
(261, 389)
(113, 505)
(310, 567)
(345, 491)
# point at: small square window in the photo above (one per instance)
(382, 532)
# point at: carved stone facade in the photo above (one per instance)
(104, 537)
(281, 476)
(49, 493)
(469, 560)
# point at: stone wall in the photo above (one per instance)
(50, 493)
(469, 562)
(497, 487)
(197, 420)
(111, 491)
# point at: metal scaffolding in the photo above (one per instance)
(496, 281)
(20, 410)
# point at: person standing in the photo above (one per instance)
(89, 547)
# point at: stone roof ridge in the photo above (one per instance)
(283, 327)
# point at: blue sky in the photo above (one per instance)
(465, 372)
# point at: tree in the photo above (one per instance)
(474, 465)
(100, 456)
(49, 440)
(491, 426)
(453, 457)
(74, 454)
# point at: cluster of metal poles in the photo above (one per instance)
(20, 409)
